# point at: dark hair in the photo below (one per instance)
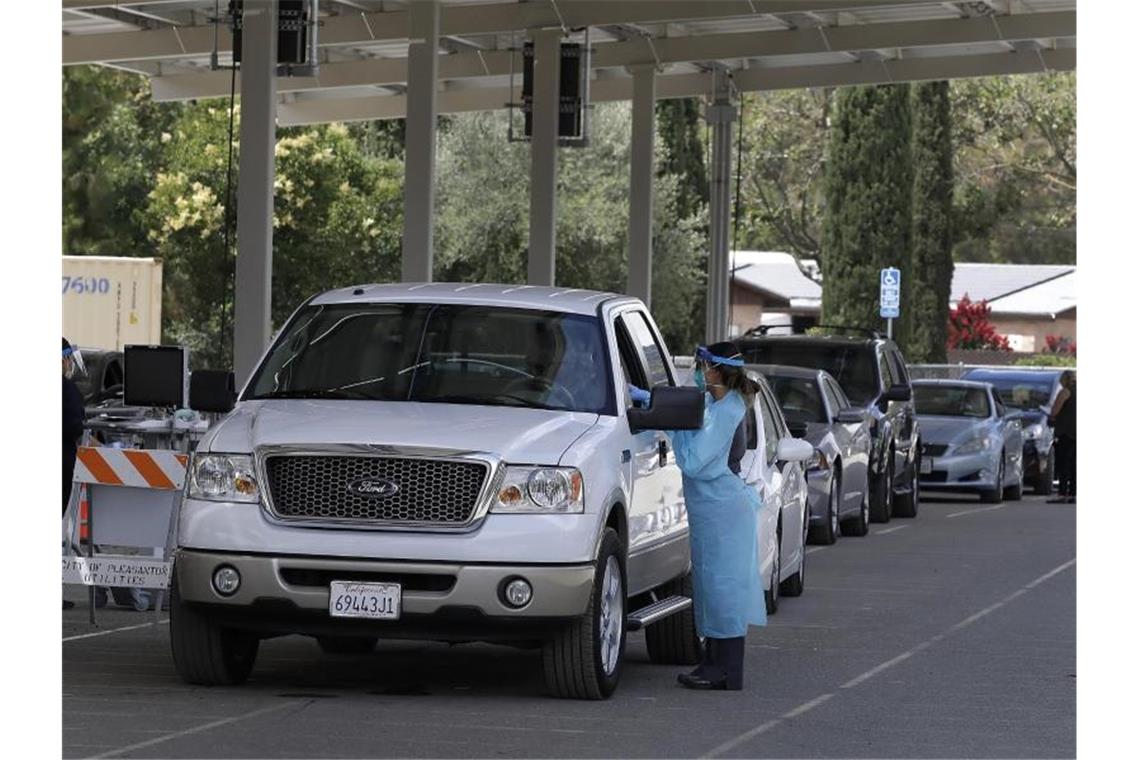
(735, 378)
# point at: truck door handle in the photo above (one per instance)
(662, 453)
(626, 456)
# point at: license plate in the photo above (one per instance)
(927, 466)
(379, 601)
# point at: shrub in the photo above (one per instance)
(970, 328)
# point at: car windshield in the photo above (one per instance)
(853, 366)
(951, 401)
(1022, 392)
(440, 353)
(799, 398)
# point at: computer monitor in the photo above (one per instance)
(155, 376)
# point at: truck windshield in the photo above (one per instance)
(441, 353)
(853, 366)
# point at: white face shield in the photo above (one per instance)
(77, 366)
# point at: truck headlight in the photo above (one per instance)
(541, 490)
(224, 477)
(976, 446)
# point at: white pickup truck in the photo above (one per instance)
(447, 462)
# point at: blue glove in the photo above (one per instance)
(640, 396)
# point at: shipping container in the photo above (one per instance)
(110, 301)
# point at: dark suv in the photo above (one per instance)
(873, 374)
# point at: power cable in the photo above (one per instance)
(228, 271)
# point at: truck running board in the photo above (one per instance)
(638, 619)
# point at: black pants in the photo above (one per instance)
(1066, 448)
(68, 474)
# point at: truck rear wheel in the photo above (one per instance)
(583, 661)
(204, 652)
(674, 640)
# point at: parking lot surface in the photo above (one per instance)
(950, 635)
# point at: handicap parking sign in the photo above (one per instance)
(890, 280)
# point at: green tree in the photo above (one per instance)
(337, 221)
(1016, 168)
(932, 235)
(682, 152)
(868, 190)
(483, 215)
(111, 145)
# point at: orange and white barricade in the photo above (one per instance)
(137, 494)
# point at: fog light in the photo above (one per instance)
(518, 593)
(226, 580)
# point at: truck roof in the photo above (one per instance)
(567, 300)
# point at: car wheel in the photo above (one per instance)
(583, 661)
(1044, 483)
(993, 495)
(347, 644)
(794, 585)
(857, 526)
(674, 640)
(827, 533)
(883, 503)
(907, 505)
(1014, 492)
(772, 595)
(204, 652)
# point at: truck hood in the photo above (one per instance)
(530, 436)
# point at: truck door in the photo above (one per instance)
(657, 505)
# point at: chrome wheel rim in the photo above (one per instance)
(611, 622)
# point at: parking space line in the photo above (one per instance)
(196, 729)
(891, 530)
(972, 511)
(113, 630)
(814, 703)
(813, 550)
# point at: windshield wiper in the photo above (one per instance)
(317, 393)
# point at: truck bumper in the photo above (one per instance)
(290, 594)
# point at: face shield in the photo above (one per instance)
(76, 368)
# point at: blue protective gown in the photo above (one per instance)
(723, 512)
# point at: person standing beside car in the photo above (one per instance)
(1063, 419)
(73, 418)
(723, 512)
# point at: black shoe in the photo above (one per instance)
(1058, 500)
(68, 605)
(691, 681)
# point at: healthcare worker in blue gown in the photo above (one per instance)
(723, 512)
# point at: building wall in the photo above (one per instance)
(1027, 334)
(747, 308)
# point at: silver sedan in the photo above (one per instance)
(817, 410)
(970, 441)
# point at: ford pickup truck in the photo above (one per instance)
(444, 462)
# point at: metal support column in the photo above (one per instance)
(419, 151)
(544, 157)
(640, 280)
(254, 270)
(720, 114)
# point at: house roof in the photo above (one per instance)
(777, 276)
(1030, 289)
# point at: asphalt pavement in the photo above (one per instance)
(949, 635)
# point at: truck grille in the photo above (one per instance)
(934, 449)
(374, 489)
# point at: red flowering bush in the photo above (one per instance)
(1057, 344)
(970, 328)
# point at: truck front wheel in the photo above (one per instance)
(204, 652)
(583, 661)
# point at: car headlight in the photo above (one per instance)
(1034, 431)
(224, 477)
(976, 446)
(541, 490)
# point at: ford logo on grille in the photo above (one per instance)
(374, 488)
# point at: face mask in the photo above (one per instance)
(699, 379)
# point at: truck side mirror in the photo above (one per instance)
(212, 390)
(900, 392)
(670, 409)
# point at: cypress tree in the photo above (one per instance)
(868, 185)
(932, 264)
(683, 154)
